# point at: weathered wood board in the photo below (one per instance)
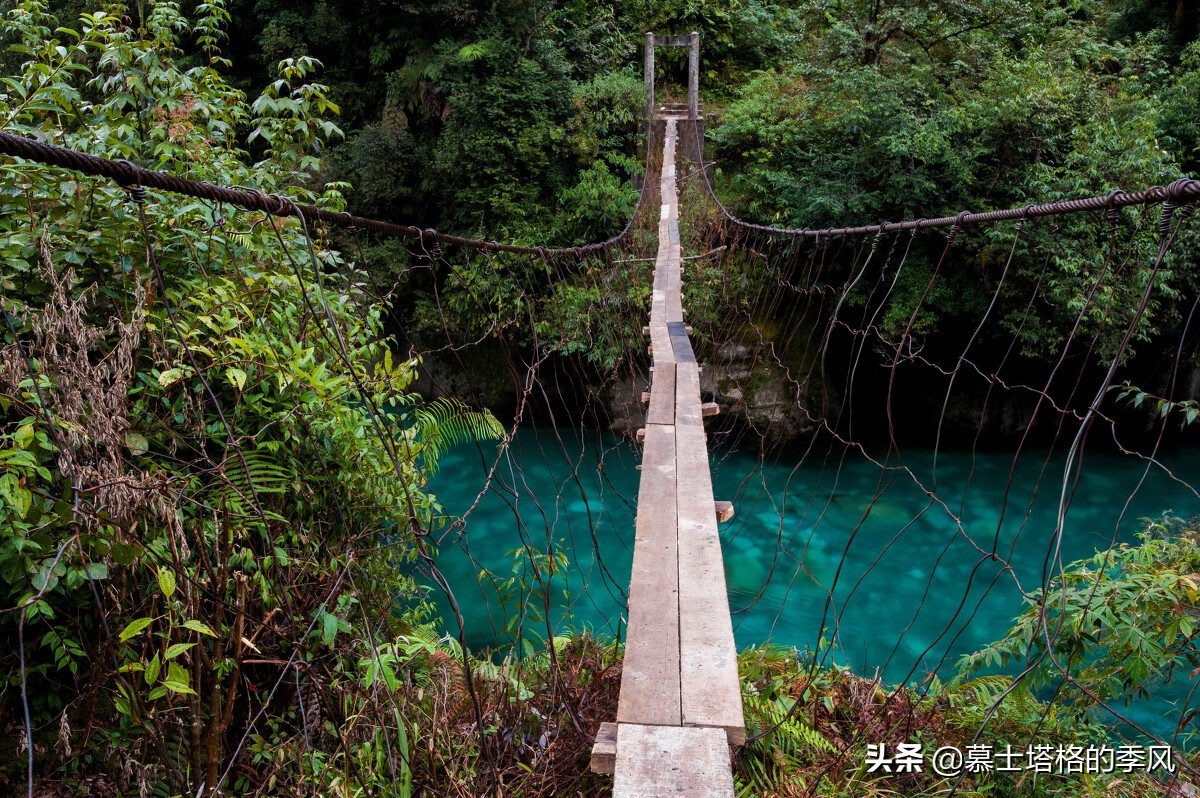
(709, 682)
(680, 704)
(604, 749)
(662, 395)
(650, 691)
(656, 761)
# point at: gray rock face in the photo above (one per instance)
(752, 391)
(733, 353)
(478, 376)
(623, 402)
(755, 395)
(762, 397)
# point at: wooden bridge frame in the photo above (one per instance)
(690, 41)
(680, 706)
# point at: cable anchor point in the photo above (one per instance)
(959, 220)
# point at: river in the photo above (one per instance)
(915, 590)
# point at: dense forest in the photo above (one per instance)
(218, 534)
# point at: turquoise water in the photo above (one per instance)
(827, 540)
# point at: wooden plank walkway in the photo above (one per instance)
(681, 705)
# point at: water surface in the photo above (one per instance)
(824, 539)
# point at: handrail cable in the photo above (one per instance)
(128, 174)
(1181, 193)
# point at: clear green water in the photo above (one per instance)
(913, 592)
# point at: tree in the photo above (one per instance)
(204, 435)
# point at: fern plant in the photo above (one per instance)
(445, 423)
(784, 745)
(783, 757)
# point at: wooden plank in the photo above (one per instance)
(681, 346)
(650, 692)
(669, 254)
(662, 395)
(648, 77)
(680, 667)
(604, 749)
(687, 396)
(658, 305)
(653, 762)
(660, 276)
(660, 339)
(694, 76)
(672, 298)
(711, 692)
(672, 40)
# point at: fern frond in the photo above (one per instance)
(446, 423)
(260, 474)
(980, 690)
(475, 50)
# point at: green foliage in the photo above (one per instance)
(1110, 627)
(1188, 410)
(1177, 19)
(1176, 111)
(736, 37)
(597, 315)
(204, 437)
(1049, 115)
(809, 726)
(500, 112)
(213, 472)
(445, 423)
(896, 112)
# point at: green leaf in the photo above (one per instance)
(169, 377)
(126, 553)
(197, 626)
(23, 436)
(177, 680)
(237, 377)
(134, 628)
(166, 581)
(14, 495)
(152, 670)
(329, 628)
(44, 581)
(137, 443)
(177, 649)
(96, 570)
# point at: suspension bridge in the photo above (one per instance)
(681, 703)
(680, 706)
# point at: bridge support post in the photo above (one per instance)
(649, 73)
(694, 76)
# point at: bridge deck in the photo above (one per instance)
(680, 706)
